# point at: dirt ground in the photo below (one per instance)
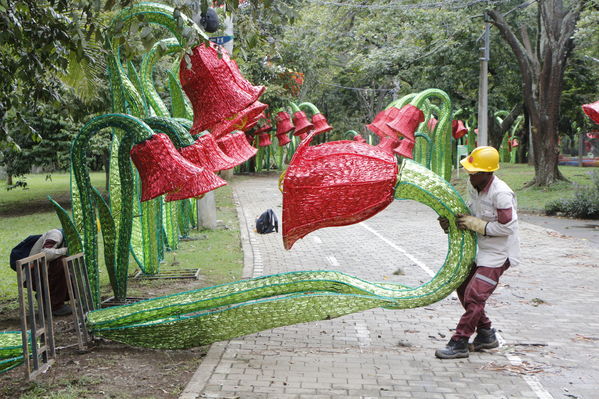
(108, 369)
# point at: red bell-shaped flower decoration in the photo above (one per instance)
(236, 146)
(163, 170)
(266, 127)
(250, 125)
(321, 124)
(388, 143)
(379, 124)
(458, 130)
(283, 139)
(284, 124)
(206, 153)
(432, 124)
(216, 89)
(303, 136)
(405, 148)
(357, 177)
(243, 120)
(302, 124)
(406, 121)
(264, 140)
(592, 111)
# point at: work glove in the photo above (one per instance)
(467, 222)
(444, 223)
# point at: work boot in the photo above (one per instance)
(485, 339)
(454, 349)
(63, 310)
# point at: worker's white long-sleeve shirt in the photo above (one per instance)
(48, 244)
(496, 204)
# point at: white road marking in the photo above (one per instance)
(420, 264)
(333, 261)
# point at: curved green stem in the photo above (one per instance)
(441, 160)
(178, 134)
(294, 108)
(159, 49)
(135, 131)
(350, 134)
(311, 107)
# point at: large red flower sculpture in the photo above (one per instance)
(163, 170)
(219, 94)
(357, 177)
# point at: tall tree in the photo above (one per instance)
(542, 62)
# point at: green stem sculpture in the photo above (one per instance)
(231, 310)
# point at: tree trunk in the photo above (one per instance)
(9, 181)
(542, 71)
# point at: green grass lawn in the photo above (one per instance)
(24, 212)
(534, 199)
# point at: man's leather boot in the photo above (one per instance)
(485, 339)
(454, 349)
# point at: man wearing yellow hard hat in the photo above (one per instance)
(494, 219)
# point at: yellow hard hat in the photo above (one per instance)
(481, 159)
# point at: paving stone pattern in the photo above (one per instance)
(546, 310)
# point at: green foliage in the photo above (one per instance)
(49, 148)
(37, 38)
(584, 204)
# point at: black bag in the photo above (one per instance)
(22, 250)
(267, 222)
(209, 21)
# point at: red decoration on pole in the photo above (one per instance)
(216, 89)
(302, 124)
(458, 130)
(357, 177)
(284, 124)
(206, 153)
(592, 111)
(406, 121)
(163, 170)
(321, 124)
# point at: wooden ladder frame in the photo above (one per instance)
(80, 296)
(33, 272)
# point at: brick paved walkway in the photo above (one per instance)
(546, 310)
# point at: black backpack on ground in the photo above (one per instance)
(22, 250)
(267, 222)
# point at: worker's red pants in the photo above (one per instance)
(473, 294)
